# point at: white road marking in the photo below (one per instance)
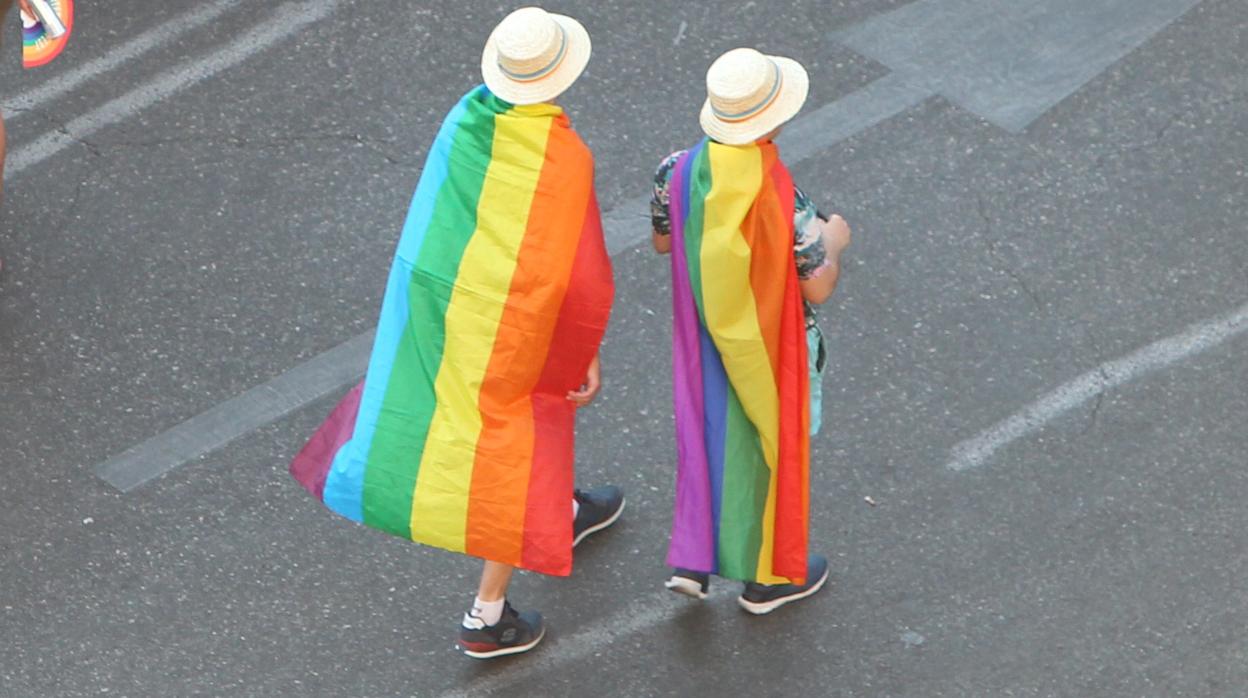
(70, 80)
(288, 20)
(1198, 338)
(342, 365)
(1009, 61)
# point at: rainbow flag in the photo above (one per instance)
(461, 436)
(740, 379)
(45, 33)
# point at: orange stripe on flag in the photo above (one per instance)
(505, 446)
(769, 253)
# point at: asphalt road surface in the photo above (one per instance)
(1038, 374)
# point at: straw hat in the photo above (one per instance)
(750, 94)
(533, 55)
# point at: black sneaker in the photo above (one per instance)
(599, 508)
(765, 598)
(512, 634)
(689, 583)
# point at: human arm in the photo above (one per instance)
(835, 236)
(662, 242)
(660, 209)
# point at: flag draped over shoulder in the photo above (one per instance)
(461, 435)
(740, 377)
(45, 34)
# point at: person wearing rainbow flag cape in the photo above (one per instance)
(39, 44)
(5, 5)
(461, 435)
(750, 254)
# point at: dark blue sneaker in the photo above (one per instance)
(692, 584)
(512, 634)
(599, 508)
(765, 598)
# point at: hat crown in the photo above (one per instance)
(530, 43)
(741, 83)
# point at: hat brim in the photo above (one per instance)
(547, 87)
(787, 104)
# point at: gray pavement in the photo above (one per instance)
(242, 226)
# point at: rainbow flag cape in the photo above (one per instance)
(44, 35)
(460, 436)
(739, 372)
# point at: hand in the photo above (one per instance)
(589, 390)
(836, 234)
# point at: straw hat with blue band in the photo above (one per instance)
(751, 94)
(534, 55)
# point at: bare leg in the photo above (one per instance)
(494, 580)
(490, 629)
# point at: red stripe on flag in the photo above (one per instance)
(582, 323)
(793, 471)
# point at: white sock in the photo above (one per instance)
(489, 612)
(576, 507)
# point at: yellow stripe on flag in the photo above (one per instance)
(443, 483)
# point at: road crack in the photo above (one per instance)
(998, 261)
(1093, 414)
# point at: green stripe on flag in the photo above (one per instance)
(746, 483)
(408, 407)
(699, 188)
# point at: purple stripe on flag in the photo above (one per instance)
(693, 536)
(715, 419)
(311, 466)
